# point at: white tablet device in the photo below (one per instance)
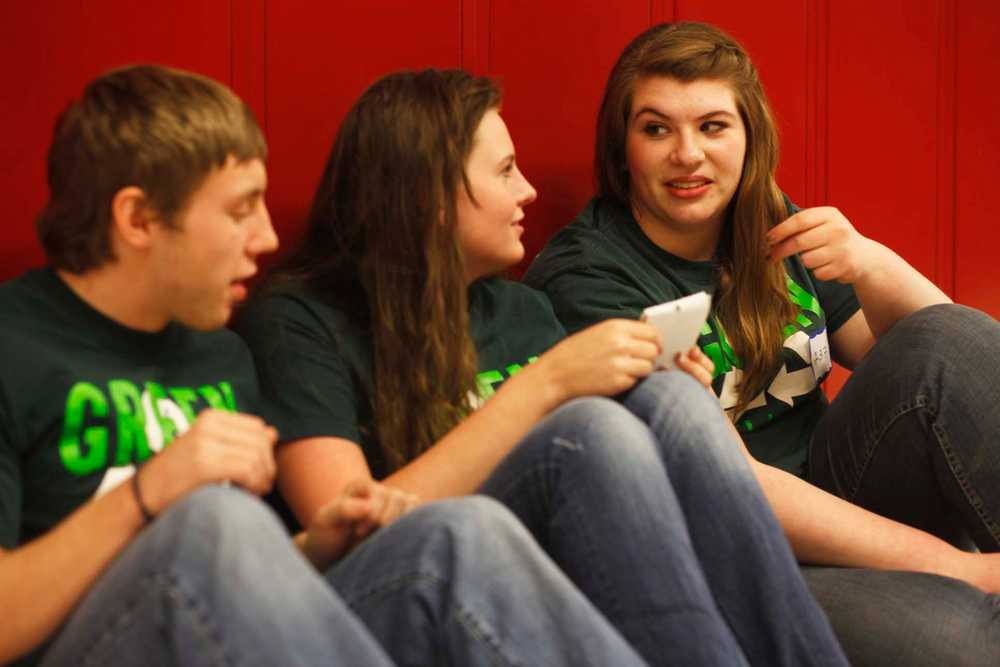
(679, 323)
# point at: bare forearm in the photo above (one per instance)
(459, 463)
(826, 530)
(45, 579)
(893, 289)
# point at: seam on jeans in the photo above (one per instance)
(545, 468)
(384, 588)
(480, 631)
(463, 617)
(951, 458)
(161, 583)
(901, 411)
(958, 472)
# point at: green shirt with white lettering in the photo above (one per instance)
(83, 399)
(602, 265)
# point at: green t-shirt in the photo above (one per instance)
(82, 398)
(602, 265)
(315, 362)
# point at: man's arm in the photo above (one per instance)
(46, 578)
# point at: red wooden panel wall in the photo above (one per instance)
(553, 70)
(976, 165)
(320, 57)
(49, 49)
(885, 109)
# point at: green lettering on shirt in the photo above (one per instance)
(167, 426)
(132, 442)
(486, 380)
(82, 396)
(213, 397)
(803, 299)
(185, 398)
(228, 396)
(720, 352)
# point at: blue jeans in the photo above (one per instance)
(216, 581)
(651, 509)
(884, 617)
(915, 435)
(465, 584)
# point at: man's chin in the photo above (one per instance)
(207, 321)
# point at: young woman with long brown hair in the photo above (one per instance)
(686, 154)
(379, 336)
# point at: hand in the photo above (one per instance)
(219, 446)
(827, 243)
(361, 508)
(604, 359)
(695, 363)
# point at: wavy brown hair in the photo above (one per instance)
(751, 301)
(381, 243)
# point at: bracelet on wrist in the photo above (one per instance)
(137, 494)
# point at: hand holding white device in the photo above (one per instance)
(679, 323)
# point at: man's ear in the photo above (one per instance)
(132, 217)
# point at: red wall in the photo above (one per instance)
(887, 109)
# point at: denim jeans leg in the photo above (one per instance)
(743, 552)
(915, 433)
(461, 582)
(214, 581)
(588, 483)
(908, 618)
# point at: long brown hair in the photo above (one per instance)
(381, 243)
(751, 301)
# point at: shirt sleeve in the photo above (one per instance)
(549, 329)
(305, 382)
(583, 296)
(839, 301)
(10, 487)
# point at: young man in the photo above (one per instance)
(129, 456)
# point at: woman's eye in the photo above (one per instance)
(713, 126)
(654, 130)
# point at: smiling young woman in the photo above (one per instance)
(686, 153)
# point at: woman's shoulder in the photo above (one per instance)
(291, 304)
(500, 294)
(592, 240)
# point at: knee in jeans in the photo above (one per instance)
(597, 428)
(677, 389)
(216, 519)
(946, 323)
(460, 516)
(476, 527)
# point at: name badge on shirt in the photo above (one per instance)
(819, 350)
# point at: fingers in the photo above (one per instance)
(230, 446)
(367, 503)
(697, 365)
(394, 504)
(795, 224)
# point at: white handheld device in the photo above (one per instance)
(679, 323)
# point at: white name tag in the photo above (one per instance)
(819, 350)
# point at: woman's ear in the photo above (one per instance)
(132, 217)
